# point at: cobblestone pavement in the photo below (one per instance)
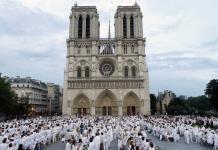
(162, 144)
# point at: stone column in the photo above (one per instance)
(128, 26)
(116, 27)
(84, 27)
(143, 110)
(129, 72)
(140, 47)
(93, 108)
(83, 73)
(93, 22)
(119, 48)
(71, 29)
(91, 25)
(135, 26)
(140, 25)
(95, 28)
(120, 108)
(75, 28)
(120, 26)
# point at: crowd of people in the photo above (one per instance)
(194, 129)
(97, 133)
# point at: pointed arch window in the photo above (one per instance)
(87, 26)
(133, 71)
(131, 27)
(79, 72)
(124, 27)
(132, 49)
(125, 49)
(80, 27)
(126, 71)
(87, 72)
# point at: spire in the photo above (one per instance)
(109, 32)
(136, 4)
(75, 4)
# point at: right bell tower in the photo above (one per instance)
(128, 22)
(131, 47)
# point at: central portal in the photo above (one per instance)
(106, 104)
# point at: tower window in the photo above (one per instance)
(125, 49)
(78, 51)
(124, 27)
(133, 71)
(132, 49)
(87, 27)
(79, 72)
(88, 50)
(80, 27)
(131, 27)
(126, 71)
(87, 72)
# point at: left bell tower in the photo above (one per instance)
(84, 22)
(81, 49)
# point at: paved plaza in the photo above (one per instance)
(61, 146)
(177, 145)
(162, 144)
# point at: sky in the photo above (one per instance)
(181, 47)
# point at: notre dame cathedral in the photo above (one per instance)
(106, 76)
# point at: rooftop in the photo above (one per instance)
(19, 79)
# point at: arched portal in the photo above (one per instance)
(106, 104)
(81, 105)
(131, 104)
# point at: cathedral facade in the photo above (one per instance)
(106, 76)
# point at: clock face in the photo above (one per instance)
(107, 69)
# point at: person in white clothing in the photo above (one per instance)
(68, 145)
(151, 146)
(91, 144)
(4, 145)
(11, 147)
(187, 136)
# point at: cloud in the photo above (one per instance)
(32, 42)
(181, 48)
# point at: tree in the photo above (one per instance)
(23, 106)
(199, 105)
(212, 93)
(153, 103)
(177, 107)
(7, 98)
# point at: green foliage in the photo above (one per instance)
(153, 103)
(7, 98)
(199, 105)
(212, 93)
(176, 107)
(193, 106)
(23, 106)
(8, 101)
